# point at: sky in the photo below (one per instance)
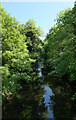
(43, 13)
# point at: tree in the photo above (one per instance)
(61, 42)
(16, 61)
(33, 40)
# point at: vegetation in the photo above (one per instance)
(22, 53)
(60, 48)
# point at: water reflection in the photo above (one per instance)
(30, 106)
(61, 104)
(47, 101)
(50, 102)
(63, 107)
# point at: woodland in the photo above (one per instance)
(23, 52)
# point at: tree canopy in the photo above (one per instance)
(60, 46)
(20, 44)
(22, 49)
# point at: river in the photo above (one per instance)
(57, 100)
(47, 101)
(47, 94)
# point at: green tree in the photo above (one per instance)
(16, 61)
(33, 40)
(61, 42)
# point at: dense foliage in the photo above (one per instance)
(60, 48)
(33, 40)
(20, 46)
(22, 51)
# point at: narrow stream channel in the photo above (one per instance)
(47, 101)
(47, 94)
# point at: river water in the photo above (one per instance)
(58, 104)
(47, 94)
(45, 101)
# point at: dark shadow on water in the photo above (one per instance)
(49, 100)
